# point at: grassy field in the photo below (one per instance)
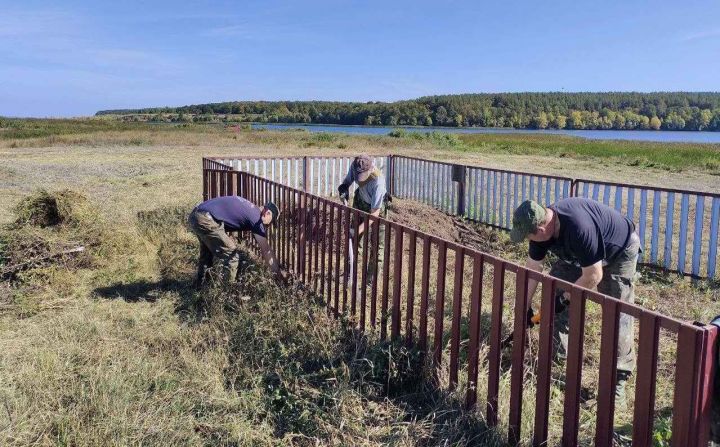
(113, 346)
(673, 157)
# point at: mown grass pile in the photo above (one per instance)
(53, 236)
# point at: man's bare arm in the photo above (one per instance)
(591, 276)
(532, 283)
(267, 253)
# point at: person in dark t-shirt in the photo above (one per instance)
(597, 248)
(212, 219)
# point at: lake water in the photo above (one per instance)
(638, 135)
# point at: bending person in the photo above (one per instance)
(213, 219)
(597, 248)
(371, 197)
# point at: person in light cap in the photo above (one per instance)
(597, 248)
(371, 197)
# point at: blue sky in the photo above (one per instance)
(73, 58)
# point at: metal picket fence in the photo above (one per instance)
(678, 229)
(485, 195)
(676, 232)
(437, 296)
(319, 175)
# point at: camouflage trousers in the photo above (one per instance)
(618, 281)
(215, 244)
(360, 204)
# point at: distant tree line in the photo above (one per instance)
(662, 110)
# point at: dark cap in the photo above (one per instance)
(526, 220)
(274, 210)
(363, 166)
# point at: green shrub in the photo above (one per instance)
(443, 138)
(324, 137)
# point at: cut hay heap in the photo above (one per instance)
(53, 235)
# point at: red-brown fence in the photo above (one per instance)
(452, 302)
(679, 229)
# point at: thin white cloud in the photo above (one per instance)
(48, 24)
(57, 39)
(701, 35)
(264, 31)
(231, 31)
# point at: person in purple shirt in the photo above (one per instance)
(213, 219)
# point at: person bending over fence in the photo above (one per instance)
(212, 219)
(371, 197)
(597, 248)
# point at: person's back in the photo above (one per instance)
(212, 219)
(237, 213)
(589, 232)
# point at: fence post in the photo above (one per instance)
(707, 385)
(458, 176)
(391, 174)
(205, 180)
(306, 175)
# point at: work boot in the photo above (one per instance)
(620, 395)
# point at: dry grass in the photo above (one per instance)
(116, 350)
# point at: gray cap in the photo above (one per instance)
(363, 166)
(526, 220)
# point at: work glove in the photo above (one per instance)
(560, 301)
(344, 191)
(532, 317)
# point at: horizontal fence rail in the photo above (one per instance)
(679, 229)
(456, 305)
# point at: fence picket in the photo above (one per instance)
(457, 313)
(474, 342)
(495, 332)
(300, 239)
(715, 219)
(439, 304)
(424, 294)
(684, 210)
(669, 220)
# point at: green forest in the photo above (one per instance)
(630, 111)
